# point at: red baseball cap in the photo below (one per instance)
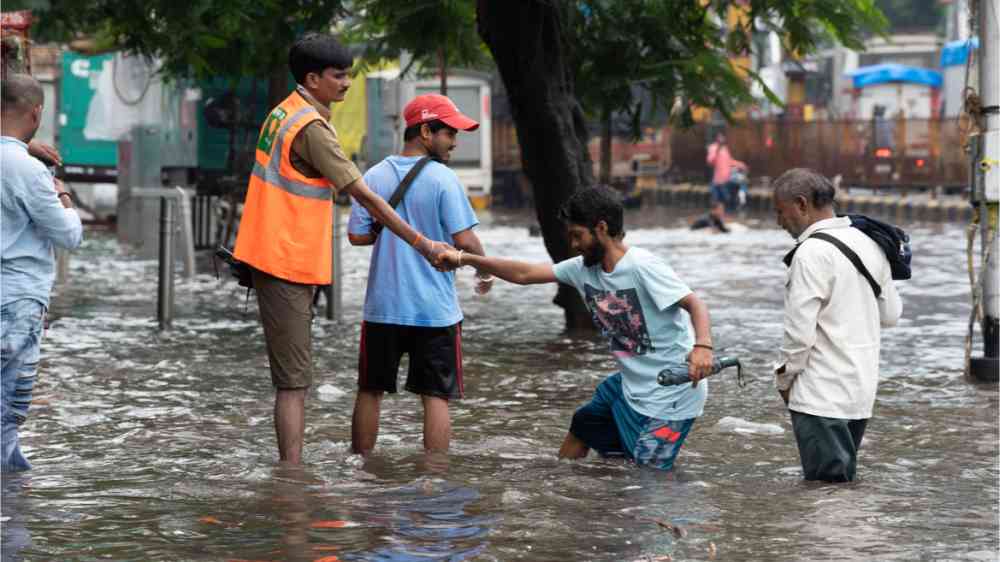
(431, 107)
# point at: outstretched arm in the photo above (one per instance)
(317, 144)
(468, 242)
(381, 211)
(519, 272)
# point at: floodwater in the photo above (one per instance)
(159, 446)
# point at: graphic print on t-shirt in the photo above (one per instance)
(619, 315)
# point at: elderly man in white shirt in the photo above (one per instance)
(827, 372)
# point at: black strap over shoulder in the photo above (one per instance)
(400, 192)
(848, 252)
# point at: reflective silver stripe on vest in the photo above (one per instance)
(272, 173)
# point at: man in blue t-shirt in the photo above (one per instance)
(409, 306)
(648, 315)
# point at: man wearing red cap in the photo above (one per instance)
(409, 306)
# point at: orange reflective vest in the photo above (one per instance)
(287, 224)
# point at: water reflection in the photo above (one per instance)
(428, 520)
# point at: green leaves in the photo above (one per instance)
(671, 51)
(427, 29)
(230, 39)
(633, 58)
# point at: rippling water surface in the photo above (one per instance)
(159, 446)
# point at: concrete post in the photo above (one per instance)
(338, 271)
(187, 232)
(165, 288)
(335, 295)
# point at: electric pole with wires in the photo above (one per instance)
(986, 189)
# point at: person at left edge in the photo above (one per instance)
(37, 215)
(286, 230)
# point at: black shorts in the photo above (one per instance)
(435, 359)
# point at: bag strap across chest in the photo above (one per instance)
(848, 253)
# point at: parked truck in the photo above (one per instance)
(900, 102)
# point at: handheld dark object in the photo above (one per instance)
(240, 271)
(668, 377)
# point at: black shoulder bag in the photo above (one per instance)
(397, 195)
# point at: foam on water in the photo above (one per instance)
(739, 425)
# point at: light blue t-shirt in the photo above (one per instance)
(34, 220)
(636, 308)
(403, 288)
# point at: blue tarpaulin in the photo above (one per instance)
(885, 73)
(955, 53)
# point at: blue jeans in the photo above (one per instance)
(720, 193)
(21, 325)
(727, 194)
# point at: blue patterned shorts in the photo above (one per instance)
(611, 427)
(20, 339)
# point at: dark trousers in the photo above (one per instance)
(828, 447)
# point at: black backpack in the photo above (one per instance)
(895, 244)
(893, 240)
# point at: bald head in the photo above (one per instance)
(801, 182)
(22, 106)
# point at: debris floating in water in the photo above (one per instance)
(678, 531)
(328, 392)
(330, 524)
(740, 425)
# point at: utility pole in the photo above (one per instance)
(986, 186)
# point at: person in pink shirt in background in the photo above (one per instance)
(723, 189)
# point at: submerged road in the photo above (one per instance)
(159, 446)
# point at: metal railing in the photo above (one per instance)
(204, 220)
(895, 153)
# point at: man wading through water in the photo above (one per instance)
(827, 372)
(409, 307)
(652, 321)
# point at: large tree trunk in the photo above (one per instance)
(528, 44)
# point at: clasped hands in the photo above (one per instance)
(445, 257)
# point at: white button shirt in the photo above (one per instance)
(832, 327)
